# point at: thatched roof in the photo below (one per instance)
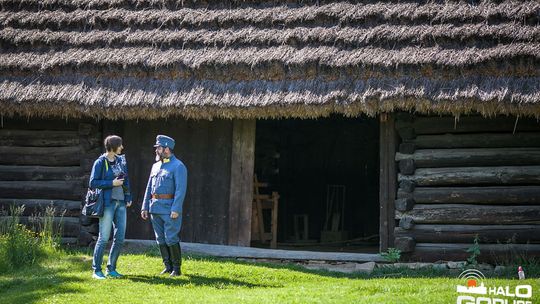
(245, 59)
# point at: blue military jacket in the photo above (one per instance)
(102, 177)
(167, 177)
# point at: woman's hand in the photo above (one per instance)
(128, 204)
(144, 215)
(117, 182)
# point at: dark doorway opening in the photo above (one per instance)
(326, 172)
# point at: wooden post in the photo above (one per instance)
(387, 179)
(241, 189)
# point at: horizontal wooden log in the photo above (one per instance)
(40, 173)
(436, 158)
(88, 143)
(406, 185)
(406, 223)
(407, 148)
(502, 195)
(37, 206)
(49, 156)
(480, 140)
(472, 214)
(406, 133)
(404, 204)
(466, 233)
(407, 166)
(85, 238)
(491, 253)
(468, 124)
(474, 176)
(226, 251)
(36, 138)
(68, 190)
(27, 123)
(92, 228)
(69, 225)
(404, 243)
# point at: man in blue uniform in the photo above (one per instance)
(163, 200)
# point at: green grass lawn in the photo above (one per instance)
(67, 279)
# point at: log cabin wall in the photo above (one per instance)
(48, 162)
(459, 178)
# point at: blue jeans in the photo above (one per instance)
(114, 216)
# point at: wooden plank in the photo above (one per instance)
(466, 233)
(479, 140)
(40, 173)
(474, 176)
(69, 190)
(70, 225)
(470, 124)
(472, 214)
(392, 178)
(69, 208)
(241, 189)
(384, 187)
(35, 123)
(50, 156)
(436, 158)
(503, 195)
(259, 253)
(38, 138)
(431, 252)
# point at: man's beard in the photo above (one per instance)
(159, 156)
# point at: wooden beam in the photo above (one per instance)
(472, 214)
(436, 158)
(37, 138)
(501, 195)
(259, 253)
(49, 156)
(40, 173)
(469, 124)
(431, 252)
(474, 176)
(72, 190)
(35, 206)
(387, 179)
(466, 233)
(479, 140)
(241, 189)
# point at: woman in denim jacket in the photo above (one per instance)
(110, 174)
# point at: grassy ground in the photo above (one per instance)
(67, 279)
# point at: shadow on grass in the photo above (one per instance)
(196, 280)
(32, 285)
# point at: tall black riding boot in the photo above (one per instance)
(176, 259)
(166, 256)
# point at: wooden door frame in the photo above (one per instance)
(387, 179)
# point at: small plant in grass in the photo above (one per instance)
(21, 246)
(474, 250)
(391, 255)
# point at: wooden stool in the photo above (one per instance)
(263, 202)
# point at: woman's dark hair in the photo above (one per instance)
(112, 142)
